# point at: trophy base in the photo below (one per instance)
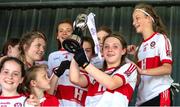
(71, 45)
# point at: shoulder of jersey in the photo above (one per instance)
(129, 65)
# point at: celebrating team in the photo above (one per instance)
(84, 79)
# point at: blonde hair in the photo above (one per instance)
(32, 75)
(27, 39)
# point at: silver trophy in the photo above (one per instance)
(74, 42)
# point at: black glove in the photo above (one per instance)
(80, 58)
(62, 68)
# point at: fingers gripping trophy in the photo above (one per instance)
(74, 42)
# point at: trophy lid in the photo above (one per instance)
(81, 21)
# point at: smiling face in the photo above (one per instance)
(36, 50)
(139, 21)
(11, 76)
(142, 21)
(113, 51)
(64, 31)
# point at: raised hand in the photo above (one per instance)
(32, 101)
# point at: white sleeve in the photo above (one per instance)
(127, 71)
(165, 49)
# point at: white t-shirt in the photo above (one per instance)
(152, 53)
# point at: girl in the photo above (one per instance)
(114, 85)
(12, 74)
(32, 46)
(102, 32)
(64, 30)
(75, 93)
(37, 83)
(58, 63)
(11, 48)
(88, 46)
(154, 58)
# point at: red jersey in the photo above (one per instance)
(49, 100)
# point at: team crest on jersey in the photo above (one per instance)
(66, 55)
(152, 44)
(18, 104)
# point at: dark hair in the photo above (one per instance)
(21, 64)
(4, 60)
(32, 75)
(27, 39)
(124, 46)
(90, 40)
(158, 25)
(104, 28)
(10, 42)
(68, 21)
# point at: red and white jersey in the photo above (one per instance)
(13, 101)
(152, 53)
(69, 95)
(95, 91)
(99, 96)
(55, 58)
(49, 100)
